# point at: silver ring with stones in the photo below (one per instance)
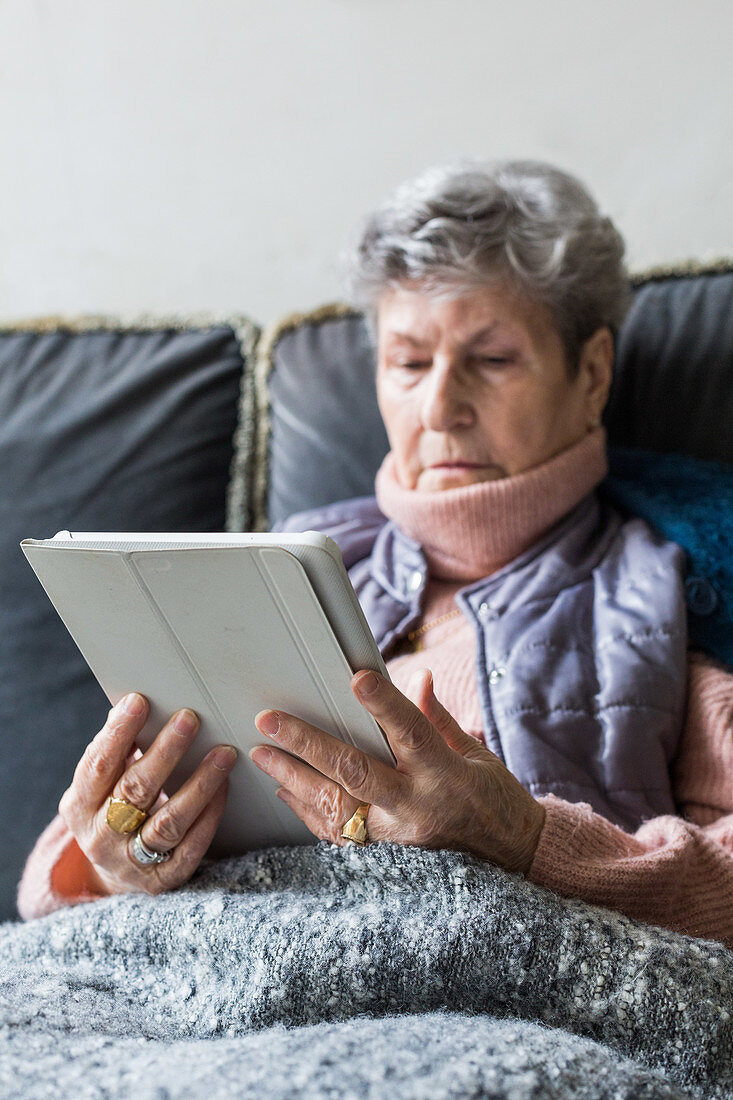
(146, 856)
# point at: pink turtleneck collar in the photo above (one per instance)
(470, 532)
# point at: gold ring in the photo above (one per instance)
(123, 817)
(355, 828)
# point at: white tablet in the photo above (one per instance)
(228, 625)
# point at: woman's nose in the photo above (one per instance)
(445, 404)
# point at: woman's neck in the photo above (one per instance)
(472, 531)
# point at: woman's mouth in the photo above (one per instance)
(456, 466)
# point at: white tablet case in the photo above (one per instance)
(228, 625)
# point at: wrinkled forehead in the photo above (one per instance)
(412, 315)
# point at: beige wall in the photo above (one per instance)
(187, 154)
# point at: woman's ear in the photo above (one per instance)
(595, 372)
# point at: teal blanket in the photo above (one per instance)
(690, 502)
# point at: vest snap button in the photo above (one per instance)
(415, 581)
(496, 674)
(486, 611)
(702, 599)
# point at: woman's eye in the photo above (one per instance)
(492, 360)
(414, 364)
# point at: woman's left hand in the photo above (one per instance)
(447, 791)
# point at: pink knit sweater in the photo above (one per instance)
(674, 871)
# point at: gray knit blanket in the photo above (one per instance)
(385, 972)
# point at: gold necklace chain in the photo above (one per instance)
(414, 635)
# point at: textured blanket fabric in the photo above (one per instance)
(382, 972)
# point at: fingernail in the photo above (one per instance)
(225, 758)
(368, 684)
(186, 721)
(418, 678)
(133, 704)
(268, 722)
(261, 756)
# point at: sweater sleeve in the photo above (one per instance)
(56, 872)
(676, 872)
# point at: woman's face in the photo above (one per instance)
(475, 388)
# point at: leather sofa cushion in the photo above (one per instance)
(322, 438)
(673, 383)
(105, 426)
(670, 412)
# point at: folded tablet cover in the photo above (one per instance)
(227, 632)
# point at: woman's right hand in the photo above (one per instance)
(183, 824)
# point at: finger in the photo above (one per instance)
(442, 719)
(329, 801)
(413, 738)
(104, 759)
(142, 780)
(418, 687)
(324, 830)
(167, 827)
(361, 775)
(192, 849)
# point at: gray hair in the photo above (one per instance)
(459, 227)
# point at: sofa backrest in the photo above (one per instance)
(669, 420)
(107, 425)
(129, 425)
(320, 436)
(673, 378)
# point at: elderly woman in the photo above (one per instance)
(576, 741)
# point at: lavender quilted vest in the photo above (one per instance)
(581, 647)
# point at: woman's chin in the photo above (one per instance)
(436, 478)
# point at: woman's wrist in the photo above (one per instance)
(512, 834)
(532, 834)
(94, 883)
